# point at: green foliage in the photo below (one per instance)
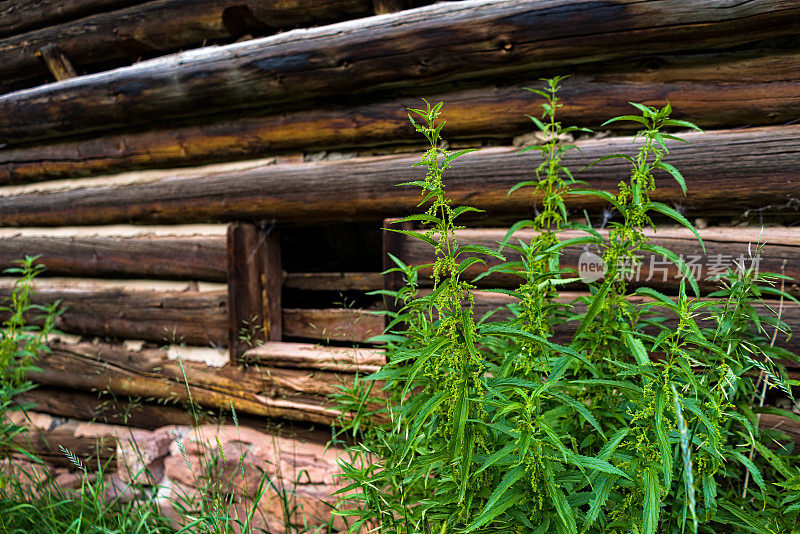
(492, 425)
(30, 503)
(20, 342)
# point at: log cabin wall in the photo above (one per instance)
(206, 177)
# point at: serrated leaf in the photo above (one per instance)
(673, 214)
(634, 118)
(652, 501)
(637, 348)
(563, 509)
(502, 497)
(674, 172)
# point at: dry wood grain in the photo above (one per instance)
(161, 316)
(334, 281)
(331, 324)
(308, 356)
(760, 173)
(98, 407)
(714, 90)
(445, 42)
(19, 16)
(56, 62)
(255, 281)
(288, 393)
(159, 27)
(148, 256)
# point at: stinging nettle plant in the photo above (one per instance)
(639, 421)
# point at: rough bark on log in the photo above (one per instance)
(192, 317)
(19, 16)
(299, 395)
(307, 356)
(332, 324)
(478, 39)
(721, 93)
(724, 246)
(161, 257)
(714, 91)
(761, 173)
(159, 27)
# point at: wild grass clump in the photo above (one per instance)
(639, 421)
(32, 501)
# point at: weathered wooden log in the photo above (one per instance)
(725, 247)
(486, 302)
(307, 356)
(449, 41)
(334, 281)
(19, 16)
(715, 91)
(159, 27)
(163, 312)
(761, 173)
(331, 324)
(177, 313)
(106, 409)
(295, 394)
(255, 280)
(199, 257)
(109, 409)
(56, 62)
(783, 424)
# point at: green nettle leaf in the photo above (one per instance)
(502, 497)
(485, 420)
(637, 348)
(674, 172)
(652, 501)
(563, 508)
(594, 307)
(663, 209)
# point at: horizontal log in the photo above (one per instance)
(790, 313)
(307, 356)
(159, 27)
(332, 324)
(105, 409)
(18, 16)
(714, 91)
(448, 41)
(109, 409)
(147, 256)
(334, 281)
(159, 313)
(761, 173)
(724, 247)
(176, 313)
(788, 426)
(295, 394)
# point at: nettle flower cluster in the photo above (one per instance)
(637, 420)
